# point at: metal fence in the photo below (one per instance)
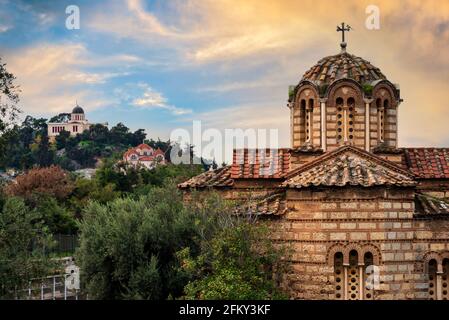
(51, 288)
(65, 243)
(62, 286)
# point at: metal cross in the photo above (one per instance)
(342, 29)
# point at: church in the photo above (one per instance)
(144, 156)
(366, 219)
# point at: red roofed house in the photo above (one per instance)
(345, 196)
(144, 155)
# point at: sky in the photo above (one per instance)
(159, 65)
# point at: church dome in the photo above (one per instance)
(78, 110)
(343, 66)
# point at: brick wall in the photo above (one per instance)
(321, 219)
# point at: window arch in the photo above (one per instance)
(445, 280)
(350, 121)
(353, 269)
(353, 279)
(432, 267)
(437, 270)
(380, 118)
(369, 269)
(309, 120)
(340, 119)
(345, 119)
(339, 276)
(303, 114)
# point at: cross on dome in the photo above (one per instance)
(342, 29)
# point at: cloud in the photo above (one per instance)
(53, 76)
(149, 98)
(248, 116)
(4, 28)
(252, 50)
(92, 78)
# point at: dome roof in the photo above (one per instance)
(77, 109)
(343, 66)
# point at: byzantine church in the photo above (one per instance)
(352, 204)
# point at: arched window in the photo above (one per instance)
(309, 120)
(353, 280)
(339, 276)
(380, 119)
(345, 119)
(340, 119)
(350, 120)
(433, 266)
(445, 280)
(368, 279)
(303, 123)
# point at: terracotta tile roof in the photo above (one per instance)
(138, 151)
(214, 178)
(271, 204)
(146, 158)
(260, 164)
(428, 163)
(144, 146)
(308, 148)
(348, 165)
(429, 206)
(343, 65)
(158, 151)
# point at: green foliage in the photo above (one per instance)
(9, 97)
(61, 139)
(140, 180)
(56, 217)
(87, 190)
(238, 263)
(28, 145)
(128, 247)
(322, 89)
(291, 93)
(368, 89)
(157, 247)
(24, 239)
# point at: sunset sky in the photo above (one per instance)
(158, 65)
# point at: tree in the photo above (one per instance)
(137, 137)
(57, 218)
(24, 241)
(152, 247)
(86, 190)
(128, 247)
(61, 139)
(9, 97)
(42, 152)
(119, 133)
(238, 263)
(51, 181)
(62, 117)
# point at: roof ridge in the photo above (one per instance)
(335, 152)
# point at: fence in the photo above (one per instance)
(63, 286)
(51, 288)
(65, 243)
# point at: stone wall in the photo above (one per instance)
(322, 222)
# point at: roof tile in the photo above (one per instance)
(428, 163)
(348, 166)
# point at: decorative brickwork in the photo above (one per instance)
(365, 219)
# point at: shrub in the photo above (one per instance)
(51, 181)
(24, 241)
